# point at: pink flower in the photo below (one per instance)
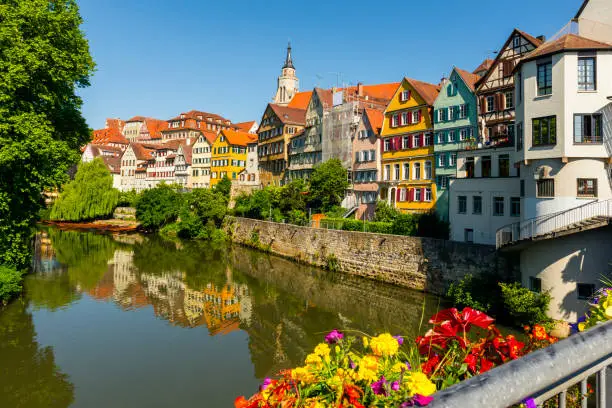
(399, 339)
(266, 383)
(333, 337)
(379, 386)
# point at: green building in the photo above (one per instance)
(455, 128)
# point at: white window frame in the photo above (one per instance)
(427, 168)
(416, 171)
(395, 120)
(428, 194)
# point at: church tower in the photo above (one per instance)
(288, 83)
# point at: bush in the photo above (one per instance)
(385, 213)
(328, 184)
(158, 207)
(297, 217)
(523, 305)
(472, 292)
(335, 212)
(128, 199)
(404, 224)
(89, 196)
(224, 187)
(10, 283)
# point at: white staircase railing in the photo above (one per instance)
(550, 223)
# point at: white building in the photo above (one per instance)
(200, 160)
(250, 175)
(182, 164)
(485, 196)
(135, 158)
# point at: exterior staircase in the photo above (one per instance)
(595, 214)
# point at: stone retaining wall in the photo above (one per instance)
(418, 263)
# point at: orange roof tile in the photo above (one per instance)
(300, 100)
(155, 127)
(375, 117)
(113, 164)
(429, 92)
(289, 115)
(209, 135)
(238, 138)
(195, 114)
(141, 151)
(484, 66)
(535, 41)
(569, 42)
(115, 123)
(136, 119)
(468, 78)
(108, 135)
(382, 92)
(245, 126)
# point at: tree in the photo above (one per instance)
(89, 196)
(44, 58)
(328, 184)
(224, 187)
(158, 206)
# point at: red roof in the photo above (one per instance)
(108, 135)
(142, 152)
(429, 92)
(289, 115)
(381, 92)
(187, 152)
(300, 100)
(113, 164)
(468, 78)
(484, 66)
(200, 115)
(569, 42)
(136, 119)
(238, 138)
(375, 117)
(115, 123)
(155, 127)
(209, 135)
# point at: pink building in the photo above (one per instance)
(366, 163)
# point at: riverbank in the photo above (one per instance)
(112, 225)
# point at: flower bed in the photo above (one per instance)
(386, 371)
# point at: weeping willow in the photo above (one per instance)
(89, 196)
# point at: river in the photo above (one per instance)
(138, 321)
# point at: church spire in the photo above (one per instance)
(288, 60)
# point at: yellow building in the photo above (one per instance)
(229, 155)
(408, 168)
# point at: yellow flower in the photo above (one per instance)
(608, 312)
(313, 359)
(302, 374)
(368, 367)
(581, 326)
(418, 383)
(322, 350)
(398, 367)
(384, 345)
(365, 342)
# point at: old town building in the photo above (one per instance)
(229, 155)
(200, 160)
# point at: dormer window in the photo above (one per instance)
(182, 116)
(516, 42)
(405, 96)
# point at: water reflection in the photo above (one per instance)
(281, 309)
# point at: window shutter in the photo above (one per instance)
(397, 193)
(436, 115)
(422, 194)
(498, 102)
(411, 194)
(410, 142)
(382, 145)
(398, 143)
(483, 108)
(409, 118)
(421, 140)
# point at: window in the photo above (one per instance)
(509, 100)
(515, 207)
(427, 172)
(440, 138)
(451, 113)
(469, 167)
(442, 160)
(545, 188)
(403, 195)
(404, 96)
(427, 194)
(416, 174)
(588, 128)
(441, 114)
(587, 73)
(416, 141)
(417, 194)
(462, 204)
(468, 235)
(490, 103)
(428, 139)
(416, 117)
(545, 77)
(463, 111)
(405, 142)
(587, 187)
(519, 136)
(387, 145)
(404, 118)
(477, 205)
(452, 159)
(585, 291)
(544, 131)
(443, 182)
(498, 206)
(504, 165)
(535, 284)
(406, 171)
(463, 135)
(516, 42)
(397, 171)
(387, 172)
(486, 166)
(451, 136)
(395, 120)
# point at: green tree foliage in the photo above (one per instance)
(224, 187)
(474, 292)
(404, 224)
(44, 58)
(158, 206)
(291, 197)
(89, 196)
(128, 198)
(201, 215)
(523, 305)
(10, 283)
(385, 213)
(328, 184)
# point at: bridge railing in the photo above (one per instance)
(541, 375)
(549, 223)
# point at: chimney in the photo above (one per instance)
(541, 38)
(359, 89)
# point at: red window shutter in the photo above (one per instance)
(382, 145)
(421, 140)
(418, 118)
(409, 95)
(483, 108)
(422, 194)
(409, 118)
(411, 194)
(397, 193)
(410, 141)
(498, 102)
(398, 143)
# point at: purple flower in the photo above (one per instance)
(530, 403)
(399, 339)
(265, 384)
(408, 366)
(379, 386)
(417, 401)
(395, 386)
(333, 337)
(352, 364)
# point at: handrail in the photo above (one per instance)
(539, 375)
(548, 223)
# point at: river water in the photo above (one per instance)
(137, 321)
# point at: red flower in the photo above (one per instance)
(242, 402)
(439, 336)
(465, 320)
(430, 365)
(353, 393)
(471, 360)
(485, 365)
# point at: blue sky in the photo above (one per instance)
(159, 57)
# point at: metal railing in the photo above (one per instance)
(547, 224)
(542, 375)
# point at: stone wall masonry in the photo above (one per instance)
(418, 263)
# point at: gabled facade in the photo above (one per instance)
(163, 168)
(151, 131)
(278, 125)
(182, 164)
(136, 157)
(248, 127)
(229, 155)
(495, 91)
(201, 155)
(456, 128)
(408, 177)
(132, 126)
